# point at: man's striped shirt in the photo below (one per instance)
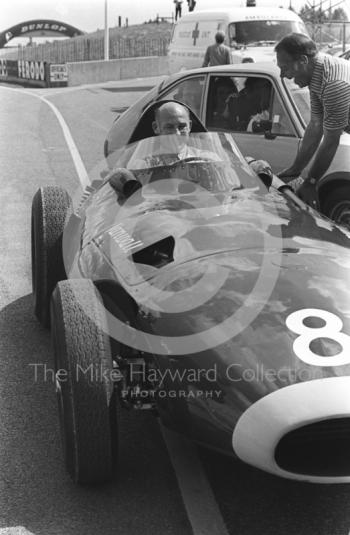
(330, 92)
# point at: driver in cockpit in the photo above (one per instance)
(171, 153)
(172, 146)
(174, 118)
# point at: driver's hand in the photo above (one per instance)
(263, 169)
(260, 166)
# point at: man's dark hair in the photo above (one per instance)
(220, 37)
(297, 45)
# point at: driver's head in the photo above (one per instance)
(172, 118)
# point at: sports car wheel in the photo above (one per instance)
(50, 208)
(337, 206)
(86, 399)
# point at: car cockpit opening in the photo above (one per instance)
(157, 254)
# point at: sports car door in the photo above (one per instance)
(251, 108)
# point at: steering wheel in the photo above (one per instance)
(169, 187)
(191, 159)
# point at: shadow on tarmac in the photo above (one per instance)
(36, 492)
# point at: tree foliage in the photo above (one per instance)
(318, 15)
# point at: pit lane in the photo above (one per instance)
(36, 494)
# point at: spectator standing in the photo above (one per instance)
(178, 8)
(191, 4)
(328, 79)
(218, 53)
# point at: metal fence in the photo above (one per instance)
(87, 49)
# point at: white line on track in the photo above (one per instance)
(73, 149)
(202, 509)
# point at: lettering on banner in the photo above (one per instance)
(42, 71)
(37, 72)
(31, 70)
(3, 69)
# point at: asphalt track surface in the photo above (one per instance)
(166, 485)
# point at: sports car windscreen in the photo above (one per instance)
(301, 99)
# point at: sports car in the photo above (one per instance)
(266, 116)
(206, 292)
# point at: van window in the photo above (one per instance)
(189, 91)
(252, 32)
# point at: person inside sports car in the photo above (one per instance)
(182, 148)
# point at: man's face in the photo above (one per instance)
(294, 68)
(173, 119)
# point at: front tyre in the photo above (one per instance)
(337, 206)
(86, 399)
(50, 209)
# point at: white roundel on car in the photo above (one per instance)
(331, 328)
(263, 424)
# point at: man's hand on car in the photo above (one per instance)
(308, 193)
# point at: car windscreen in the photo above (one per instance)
(301, 99)
(209, 159)
(262, 32)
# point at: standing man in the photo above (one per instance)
(217, 54)
(178, 8)
(191, 4)
(328, 79)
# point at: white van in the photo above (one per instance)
(251, 33)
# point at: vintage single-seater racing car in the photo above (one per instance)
(192, 287)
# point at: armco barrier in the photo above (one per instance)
(33, 73)
(91, 72)
(42, 74)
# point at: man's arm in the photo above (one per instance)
(325, 154)
(336, 103)
(206, 57)
(326, 151)
(311, 141)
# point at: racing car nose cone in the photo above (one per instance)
(299, 411)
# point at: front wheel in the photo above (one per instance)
(337, 206)
(51, 208)
(84, 382)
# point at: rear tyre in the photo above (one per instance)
(337, 206)
(50, 209)
(86, 398)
